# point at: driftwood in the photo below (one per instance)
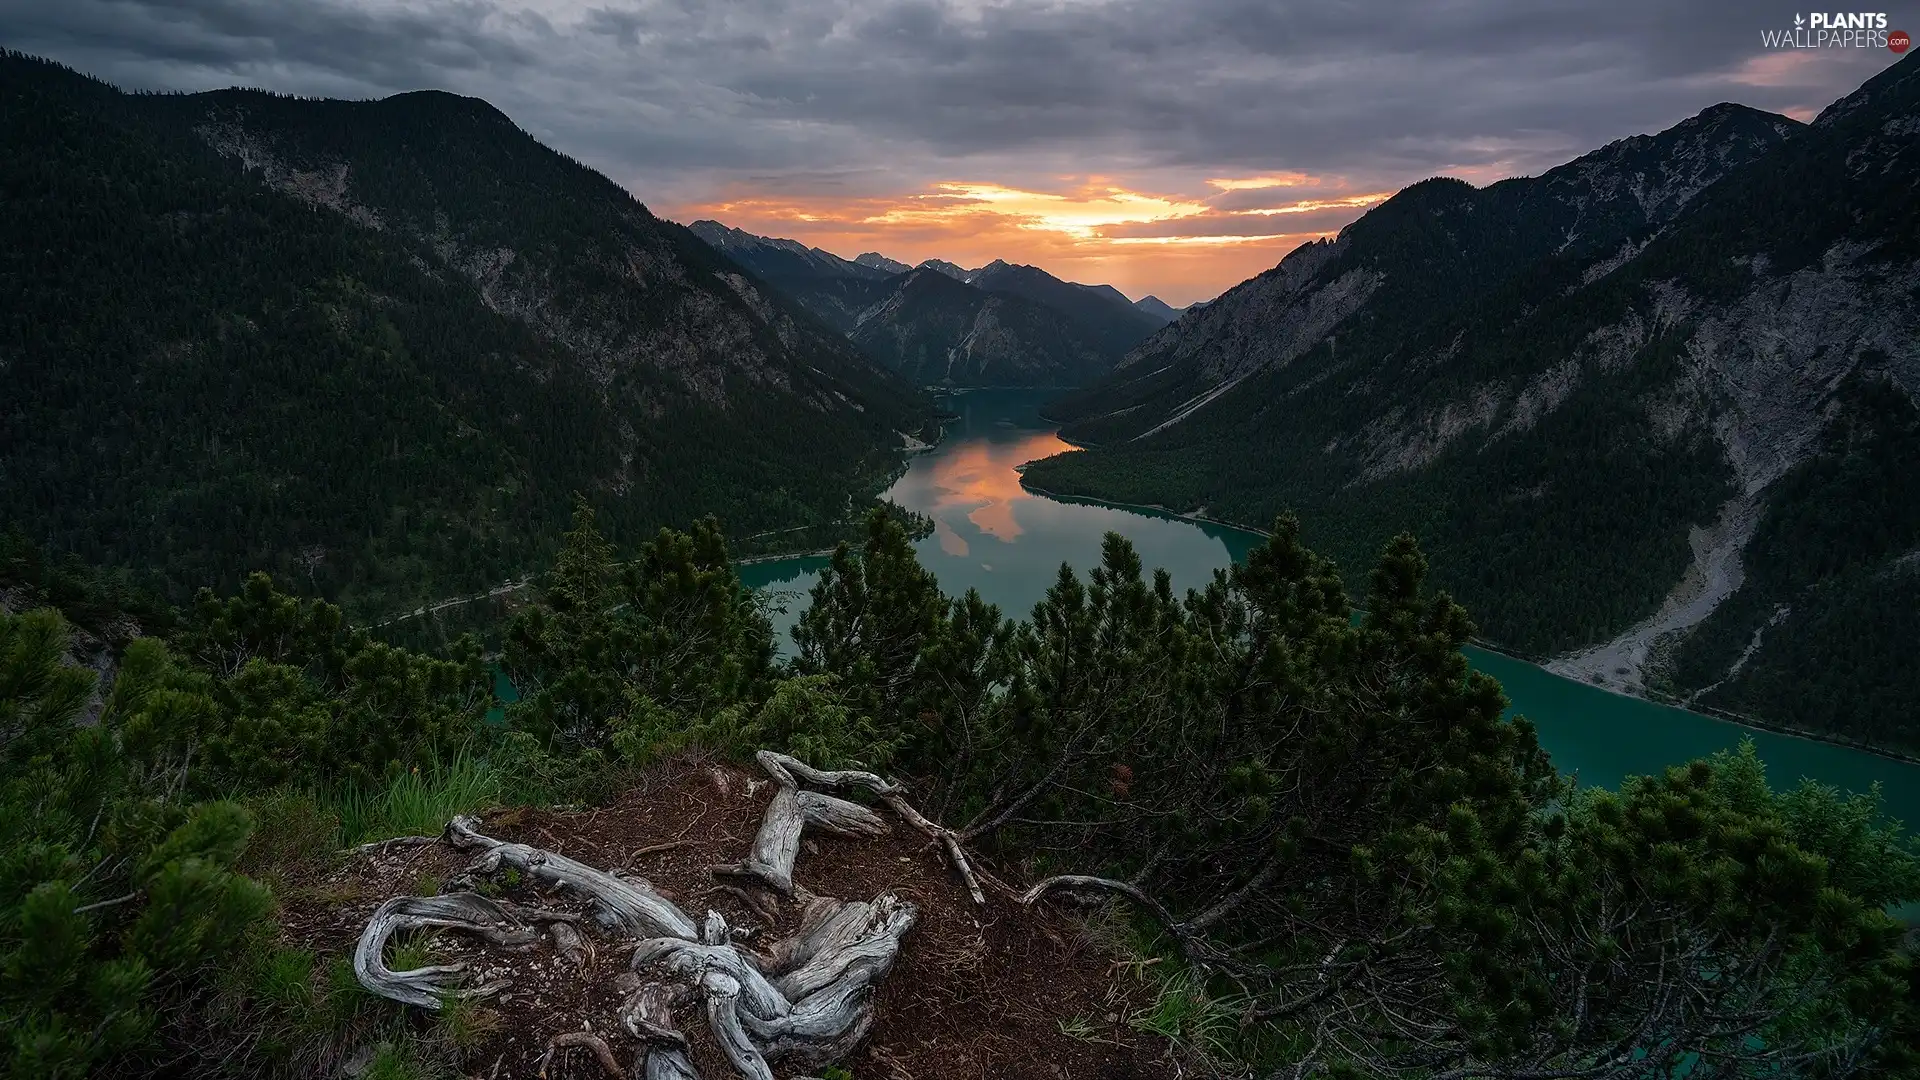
(804, 998)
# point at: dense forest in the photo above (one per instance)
(1555, 411)
(373, 346)
(1341, 859)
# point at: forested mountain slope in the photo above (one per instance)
(1608, 400)
(934, 329)
(1100, 312)
(374, 347)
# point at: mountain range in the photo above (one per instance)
(938, 323)
(377, 347)
(1647, 412)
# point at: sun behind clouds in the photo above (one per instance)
(1179, 247)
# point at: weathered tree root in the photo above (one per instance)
(804, 998)
(428, 986)
(648, 1016)
(777, 845)
(585, 1040)
(623, 903)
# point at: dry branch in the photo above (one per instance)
(585, 1040)
(947, 838)
(1189, 946)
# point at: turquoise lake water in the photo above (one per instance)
(995, 536)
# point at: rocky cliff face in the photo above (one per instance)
(1589, 391)
(1410, 261)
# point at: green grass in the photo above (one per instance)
(1185, 1011)
(399, 1061)
(417, 802)
(412, 954)
(466, 1024)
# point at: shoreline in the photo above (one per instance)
(1198, 517)
(777, 556)
(1652, 697)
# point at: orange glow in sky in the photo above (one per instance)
(1181, 247)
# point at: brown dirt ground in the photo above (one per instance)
(977, 993)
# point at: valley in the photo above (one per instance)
(994, 535)
(457, 621)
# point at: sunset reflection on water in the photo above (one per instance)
(978, 480)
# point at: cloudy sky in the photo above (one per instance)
(1166, 146)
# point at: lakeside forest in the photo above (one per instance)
(1341, 858)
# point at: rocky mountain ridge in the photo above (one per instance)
(1598, 395)
(999, 324)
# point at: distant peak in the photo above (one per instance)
(880, 262)
(1157, 307)
(952, 270)
(1728, 110)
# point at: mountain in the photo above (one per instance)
(1001, 324)
(952, 270)
(934, 329)
(1101, 314)
(375, 347)
(1644, 411)
(777, 259)
(834, 289)
(1158, 308)
(880, 262)
(1409, 262)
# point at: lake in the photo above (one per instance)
(993, 535)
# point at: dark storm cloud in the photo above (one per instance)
(681, 97)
